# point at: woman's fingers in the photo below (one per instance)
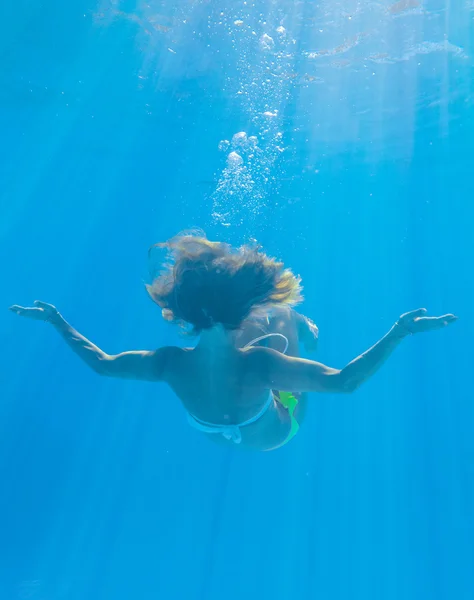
(432, 323)
(449, 318)
(16, 309)
(41, 311)
(414, 314)
(23, 311)
(38, 314)
(415, 321)
(43, 305)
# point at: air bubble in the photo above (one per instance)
(239, 139)
(266, 43)
(234, 160)
(223, 145)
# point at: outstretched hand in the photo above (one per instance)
(41, 311)
(415, 321)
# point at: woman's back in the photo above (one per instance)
(217, 384)
(222, 391)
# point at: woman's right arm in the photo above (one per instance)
(289, 374)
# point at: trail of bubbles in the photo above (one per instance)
(238, 193)
(264, 88)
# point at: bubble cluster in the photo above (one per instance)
(249, 176)
(240, 189)
(223, 145)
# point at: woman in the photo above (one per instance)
(233, 390)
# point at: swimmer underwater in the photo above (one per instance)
(233, 390)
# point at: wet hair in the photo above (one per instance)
(207, 283)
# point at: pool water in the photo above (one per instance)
(337, 135)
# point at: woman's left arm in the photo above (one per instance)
(140, 364)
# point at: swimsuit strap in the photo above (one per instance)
(269, 335)
(230, 432)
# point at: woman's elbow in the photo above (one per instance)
(104, 365)
(345, 384)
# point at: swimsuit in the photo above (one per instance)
(232, 432)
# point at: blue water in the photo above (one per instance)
(112, 116)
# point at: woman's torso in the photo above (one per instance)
(223, 387)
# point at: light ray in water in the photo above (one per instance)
(310, 79)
